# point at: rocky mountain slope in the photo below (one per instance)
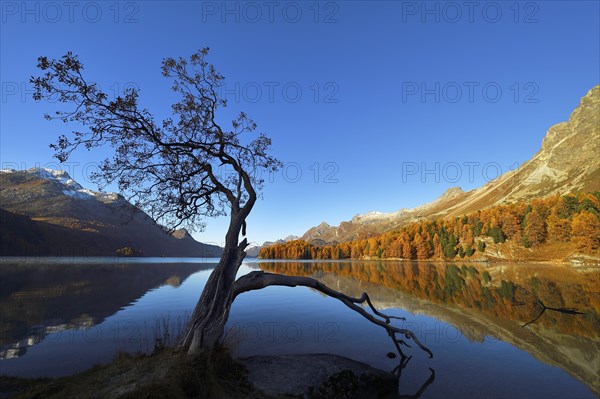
(45, 212)
(568, 161)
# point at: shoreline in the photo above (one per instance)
(172, 373)
(595, 261)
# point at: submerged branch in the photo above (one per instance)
(544, 308)
(258, 279)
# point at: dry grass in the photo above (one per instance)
(546, 252)
(167, 374)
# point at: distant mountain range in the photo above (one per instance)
(569, 161)
(253, 250)
(45, 212)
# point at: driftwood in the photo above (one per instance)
(258, 279)
(174, 170)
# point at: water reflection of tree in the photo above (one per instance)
(560, 310)
(537, 303)
(398, 372)
(498, 291)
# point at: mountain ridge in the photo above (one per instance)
(566, 162)
(46, 212)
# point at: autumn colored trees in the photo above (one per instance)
(128, 251)
(569, 218)
(535, 229)
(586, 231)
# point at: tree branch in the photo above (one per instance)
(258, 279)
(170, 169)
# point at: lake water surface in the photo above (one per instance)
(59, 316)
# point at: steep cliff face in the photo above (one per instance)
(45, 212)
(569, 161)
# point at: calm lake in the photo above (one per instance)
(59, 316)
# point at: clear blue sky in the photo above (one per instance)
(370, 92)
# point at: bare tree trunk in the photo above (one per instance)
(207, 324)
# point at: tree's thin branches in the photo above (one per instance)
(174, 170)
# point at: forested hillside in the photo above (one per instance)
(567, 162)
(541, 229)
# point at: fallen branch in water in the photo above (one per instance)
(258, 279)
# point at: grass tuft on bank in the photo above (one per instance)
(167, 374)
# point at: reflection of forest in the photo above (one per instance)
(484, 301)
(37, 299)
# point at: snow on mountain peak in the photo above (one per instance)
(373, 216)
(68, 185)
(61, 177)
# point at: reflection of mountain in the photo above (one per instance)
(481, 301)
(36, 300)
(38, 332)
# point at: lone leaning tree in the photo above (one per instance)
(173, 171)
